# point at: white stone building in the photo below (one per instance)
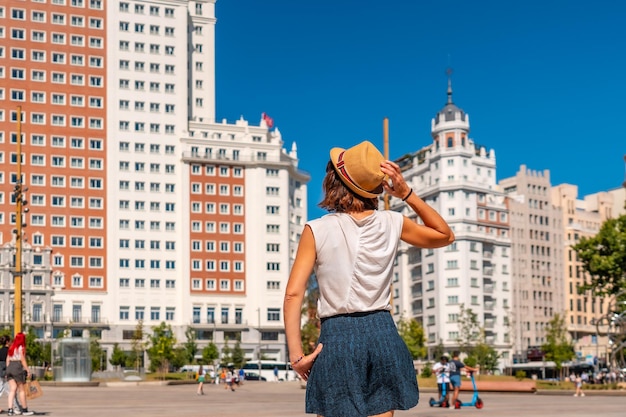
(537, 258)
(458, 178)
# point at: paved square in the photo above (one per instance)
(265, 399)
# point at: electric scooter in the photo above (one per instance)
(475, 402)
(443, 402)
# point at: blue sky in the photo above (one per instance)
(542, 81)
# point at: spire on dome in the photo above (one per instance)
(449, 74)
(450, 113)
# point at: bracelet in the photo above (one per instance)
(296, 361)
(408, 195)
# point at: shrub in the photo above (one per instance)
(519, 375)
(427, 370)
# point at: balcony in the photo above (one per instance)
(416, 276)
(223, 158)
(488, 272)
(71, 321)
(488, 289)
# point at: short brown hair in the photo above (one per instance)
(340, 199)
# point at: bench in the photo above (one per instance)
(499, 386)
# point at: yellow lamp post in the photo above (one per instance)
(19, 203)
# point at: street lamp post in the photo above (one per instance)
(19, 206)
(259, 352)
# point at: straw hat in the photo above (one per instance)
(359, 168)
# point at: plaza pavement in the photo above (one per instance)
(265, 399)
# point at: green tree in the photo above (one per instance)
(118, 356)
(135, 359)
(238, 355)
(180, 357)
(191, 347)
(469, 330)
(557, 348)
(34, 349)
(98, 355)
(604, 258)
(161, 347)
(210, 353)
(310, 331)
(438, 351)
(485, 355)
(226, 354)
(413, 335)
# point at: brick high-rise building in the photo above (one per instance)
(142, 207)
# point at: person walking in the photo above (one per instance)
(455, 374)
(352, 251)
(17, 374)
(242, 376)
(201, 377)
(4, 384)
(4, 351)
(230, 380)
(579, 386)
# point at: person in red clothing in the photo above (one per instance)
(17, 374)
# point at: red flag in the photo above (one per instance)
(268, 120)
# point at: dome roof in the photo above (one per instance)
(450, 111)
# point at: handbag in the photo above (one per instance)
(33, 389)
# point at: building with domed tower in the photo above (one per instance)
(457, 177)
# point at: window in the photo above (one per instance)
(273, 314)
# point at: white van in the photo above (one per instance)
(196, 368)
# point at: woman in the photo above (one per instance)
(361, 367)
(201, 376)
(17, 374)
(4, 351)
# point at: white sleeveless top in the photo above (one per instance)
(355, 261)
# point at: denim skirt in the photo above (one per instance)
(364, 368)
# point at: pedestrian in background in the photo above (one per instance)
(442, 372)
(201, 377)
(242, 376)
(579, 386)
(17, 374)
(4, 350)
(360, 367)
(455, 374)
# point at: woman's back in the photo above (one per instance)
(354, 262)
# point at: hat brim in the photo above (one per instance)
(334, 157)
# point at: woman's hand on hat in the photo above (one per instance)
(303, 365)
(395, 185)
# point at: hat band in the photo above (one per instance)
(342, 170)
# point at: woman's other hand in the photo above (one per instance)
(304, 365)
